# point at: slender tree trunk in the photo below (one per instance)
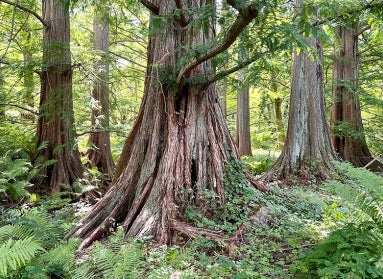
(99, 153)
(29, 85)
(243, 136)
(222, 92)
(308, 150)
(348, 135)
(2, 96)
(277, 111)
(176, 150)
(55, 128)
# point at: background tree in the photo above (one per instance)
(179, 143)
(55, 129)
(99, 153)
(348, 137)
(243, 137)
(308, 150)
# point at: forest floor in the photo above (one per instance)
(330, 230)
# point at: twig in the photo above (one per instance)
(26, 10)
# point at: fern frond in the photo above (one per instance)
(16, 253)
(15, 232)
(63, 255)
(363, 189)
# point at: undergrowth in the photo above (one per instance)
(332, 230)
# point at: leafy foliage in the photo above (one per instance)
(119, 258)
(16, 253)
(32, 243)
(355, 249)
(15, 177)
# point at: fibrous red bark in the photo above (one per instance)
(55, 127)
(178, 146)
(348, 134)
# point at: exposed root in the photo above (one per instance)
(260, 217)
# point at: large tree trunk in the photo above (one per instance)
(308, 150)
(176, 150)
(99, 153)
(55, 128)
(348, 135)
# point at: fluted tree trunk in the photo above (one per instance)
(179, 143)
(348, 134)
(308, 151)
(99, 153)
(55, 128)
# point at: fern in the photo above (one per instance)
(118, 258)
(363, 190)
(15, 253)
(12, 231)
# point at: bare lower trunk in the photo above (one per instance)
(175, 152)
(308, 150)
(243, 136)
(55, 127)
(348, 137)
(99, 153)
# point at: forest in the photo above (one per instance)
(184, 139)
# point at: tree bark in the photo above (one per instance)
(178, 145)
(99, 153)
(243, 136)
(277, 111)
(308, 151)
(55, 127)
(348, 134)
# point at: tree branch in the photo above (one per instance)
(20, 107)
(26, 10)
(227, 72)
(247, 12)
(182, 20)
(153, 8)
(127, 59)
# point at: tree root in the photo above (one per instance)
(260, 217)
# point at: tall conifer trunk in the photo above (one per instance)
(55, 128)
(308, 150)
(178, 146)
(99, 153)
(348, 137)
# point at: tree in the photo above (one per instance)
(348, 137)
(308, 150)
(179, 143)
(277, 109)
(55, 127)
(99, 153)
(243, 137)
